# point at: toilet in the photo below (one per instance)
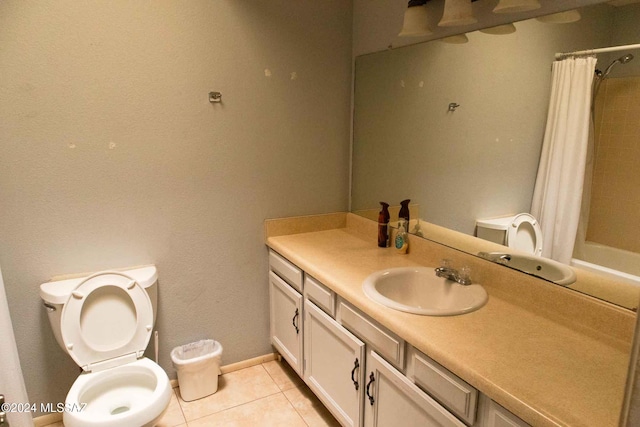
(104, 322)
(521, 232)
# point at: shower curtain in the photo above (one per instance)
(558, 191)
(11, 382)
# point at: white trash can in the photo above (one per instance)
(198, 367)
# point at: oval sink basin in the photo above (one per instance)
(418, 290)
(543, 268)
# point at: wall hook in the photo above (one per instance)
(215, 97)
(453, 106)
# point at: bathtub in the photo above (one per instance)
(612, 262)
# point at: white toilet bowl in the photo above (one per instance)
(135, 394)
(104, 322)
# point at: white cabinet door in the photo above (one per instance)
(334, 365)
(392, 400)
(286, 321)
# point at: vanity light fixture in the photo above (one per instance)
(415, 20)
(457, 12)
(500, 30)
(565, 17)
(516, 6)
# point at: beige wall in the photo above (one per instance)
(112, 156)
(615, 195)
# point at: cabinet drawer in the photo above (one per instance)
(319, 294)
(287, 271)
(387, 344)
(447, 388)
(497, 416)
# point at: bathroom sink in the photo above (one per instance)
(544, 268)
(418, 290)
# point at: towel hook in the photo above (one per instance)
(215, 97)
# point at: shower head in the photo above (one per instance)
(622, 60)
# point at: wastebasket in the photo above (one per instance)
(198, 367)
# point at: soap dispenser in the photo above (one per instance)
(383, 225)
(402, 242)
(404, 213)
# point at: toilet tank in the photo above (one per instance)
(494, 229)
(521, 232)
(54, 294)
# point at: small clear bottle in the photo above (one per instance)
(402, 241)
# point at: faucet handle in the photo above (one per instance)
(446, 263)
(464, 275)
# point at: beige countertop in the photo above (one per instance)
(550, 368)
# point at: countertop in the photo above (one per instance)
(544, 368)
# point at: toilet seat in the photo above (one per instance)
(115, 331)
(524, 234)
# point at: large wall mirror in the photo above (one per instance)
(480, 159)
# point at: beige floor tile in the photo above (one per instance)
(173, 417)
(58, 424)
(283, 374)
(314, 413)
(274, 410)
(234, 388)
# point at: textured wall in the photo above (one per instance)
(112, 156)
(481, 160)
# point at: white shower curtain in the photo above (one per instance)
(558, 191)
(11, 382)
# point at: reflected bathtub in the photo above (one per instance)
(612, 262)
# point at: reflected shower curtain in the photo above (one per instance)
(558, 191)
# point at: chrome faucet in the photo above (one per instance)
(463, 276)
(500, 258)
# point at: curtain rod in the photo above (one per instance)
(600, 50)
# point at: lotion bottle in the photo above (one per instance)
(403, 214)
(383, 225)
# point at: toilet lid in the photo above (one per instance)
(107, 317)
(524, 234)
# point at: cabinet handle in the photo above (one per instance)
(372, 379)
(356, 365)
(293, 321)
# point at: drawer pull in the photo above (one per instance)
(356, 365)
(293, 321)
(372, 379)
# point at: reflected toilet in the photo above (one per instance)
(521, 232)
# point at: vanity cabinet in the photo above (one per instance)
(285, 311)
(391, 397)
(362, 372)
(334, 365)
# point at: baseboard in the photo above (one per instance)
(45, 420)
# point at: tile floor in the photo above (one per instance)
(269, 394)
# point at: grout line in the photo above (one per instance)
(184, 417)
(239, 404)
(295, 409)
(235, 406)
